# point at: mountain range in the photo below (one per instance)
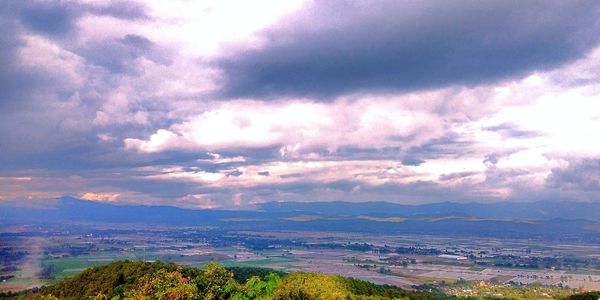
(574, 221)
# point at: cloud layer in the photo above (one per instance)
(211, 105)
(333, 48)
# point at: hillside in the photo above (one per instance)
(145, 280)
(538, 210)
(66, 208)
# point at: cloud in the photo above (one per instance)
(121, 55)
(577, 175)
(105, 197)
(52, 90)
(197, 201)
(511, 131)
(49, 17)
(217, 158)
(329, 49)
(15, 179)
(297, 127)
(499, 142)
(15, 78)
(117, 110)
(128, 10)
(58, 18)
(278, 174)
(399, 101)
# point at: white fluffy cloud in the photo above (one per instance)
(298, 125)
(104, 197)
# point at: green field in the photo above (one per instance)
(260, 263)
(64, 267)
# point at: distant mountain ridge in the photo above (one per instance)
(577, 222)
(73, 209)
(539, 210)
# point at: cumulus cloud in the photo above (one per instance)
(105, 197)
(217, 158)
(303, 126)
(120, 54)
(489, 145)
(397, 100)
(59, 17)
(576, 176)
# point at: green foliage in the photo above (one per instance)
(217, 282)
(585, 296)
(243, 274)
(164, 285)
(365, 288)
(256, 288)
(111, 280)
(126, 280)
(297, 286)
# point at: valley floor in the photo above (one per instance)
(33, 259)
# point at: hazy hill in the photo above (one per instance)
(102, 211)
(574, 222)
(73, 209)
(540, 210)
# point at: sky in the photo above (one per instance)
(229, 104)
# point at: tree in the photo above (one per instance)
(164, 285)
(217, 282)
(255, 288)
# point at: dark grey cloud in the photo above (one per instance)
(451, 145)
(333, 48)
(57, 18)
(458, 175)
(508, 130)
(361, 153)
(581, 175)
(119, 55)
(491, 159)
(127, 10)
(45, 118)
(234, 173)
(29, 122)
(412, 161)
(48, 17)
(13, 79)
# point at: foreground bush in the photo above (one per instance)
(143, 280)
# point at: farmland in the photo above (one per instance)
(407, 261)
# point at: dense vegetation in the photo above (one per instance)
(242, 274)
(144, 280)
(585, 296)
